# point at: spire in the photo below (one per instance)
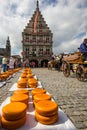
(8, 38)
(8, 41)
(37, 4)
(8, 47)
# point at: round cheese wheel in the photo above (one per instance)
(32, 83)
(20, 98)
(30, 75)
(22, 82)
(38, 91)
(40, 97)
(21, 92)
(23, 75)
(14, 111)
(46, 107)
(21, 86)
(47, 120)
(32, 86)
(10, 125)
(4, 76)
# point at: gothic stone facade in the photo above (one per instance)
(37, 40)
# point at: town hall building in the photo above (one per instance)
(37, 40)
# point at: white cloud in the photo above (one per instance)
(66, 19)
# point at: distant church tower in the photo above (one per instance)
(8, 48)
(37, 40)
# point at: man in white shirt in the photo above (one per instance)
(4, 64)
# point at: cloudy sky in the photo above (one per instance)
(67, 20)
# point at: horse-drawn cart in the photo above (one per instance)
(73, 63)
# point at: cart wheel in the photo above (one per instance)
(80, 73)
(66, 69)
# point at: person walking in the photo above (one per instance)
(11, 63)
(4, 64)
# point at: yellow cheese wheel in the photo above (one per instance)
(40, 97)
(38, 91)
(23, 75)
(21, 92)
(10, 125)
(21, 86)
(30, 75)
(32, 83)
(46, 107)
(22, 83)
(4, 76)
(32, 86)
(14, 111)
(20, 98)
(47, 120)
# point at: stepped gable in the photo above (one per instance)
(41, 26)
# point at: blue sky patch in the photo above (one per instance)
(49, 2)
(82, 34)
(13, 8)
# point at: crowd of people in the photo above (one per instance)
(8, 64)
(11, 63)
(29, 64)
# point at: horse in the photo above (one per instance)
(51, 64)
(56, 63)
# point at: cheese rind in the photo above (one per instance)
(47, 120)
(14, 111)
(10, 125)
(20, 98)
(40, 97)
(38, 91)
(46, 107)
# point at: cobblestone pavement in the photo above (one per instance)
(69, 93)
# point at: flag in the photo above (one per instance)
(35, 22)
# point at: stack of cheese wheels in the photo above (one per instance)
(21, 92)
(10, 72)
(20, 98)
(22, 83)
(46, 112)
(29, 75)
(38, 91)
(13, 115)
(29, 70)
(23, 75)
(40, 97)
(32, 83)
(4, 76)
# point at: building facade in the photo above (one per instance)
(37, 40)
